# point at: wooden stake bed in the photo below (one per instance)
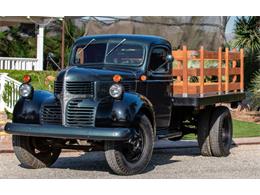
(196, 84)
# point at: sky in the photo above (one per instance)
(230, 24)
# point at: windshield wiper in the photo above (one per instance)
(91, 41)
(162, 65)
(120, 43)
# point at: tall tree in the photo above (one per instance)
(53, 41)
(247, 36)
(247, 33)
(14, 44)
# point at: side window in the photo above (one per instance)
(158, 58)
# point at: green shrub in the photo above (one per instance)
(255, 90)
(38, 78)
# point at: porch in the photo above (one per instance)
(14, 63)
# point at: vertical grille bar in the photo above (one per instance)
(80, 116)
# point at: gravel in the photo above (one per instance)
(243, 162)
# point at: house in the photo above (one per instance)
(26, 63)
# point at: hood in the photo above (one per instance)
(76, 73)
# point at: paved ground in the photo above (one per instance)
(166, 163)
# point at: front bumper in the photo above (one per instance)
(58, 131)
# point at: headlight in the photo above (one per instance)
(25, 90)
(116, 90)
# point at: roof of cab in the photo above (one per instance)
(148, 39)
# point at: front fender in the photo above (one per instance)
(122, 112)
(27, 110)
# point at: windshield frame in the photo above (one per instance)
(74, 53)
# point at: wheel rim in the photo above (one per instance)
(41, 148)
(226, 132)
(133, 149)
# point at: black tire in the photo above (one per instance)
(221, 132)
(33, 152)
(203, 131)
(122, 157)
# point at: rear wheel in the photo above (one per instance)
(221, 131)
(133, 156)
(203, 131)
(34, 152)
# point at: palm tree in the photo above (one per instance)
(247, 33)
(247, 36)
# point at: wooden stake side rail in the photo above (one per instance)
(227, 75)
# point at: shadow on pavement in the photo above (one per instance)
(95, 161)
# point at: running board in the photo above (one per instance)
(169, 135)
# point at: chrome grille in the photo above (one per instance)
(51, 114)
(86, 88)
(57, 87)
(80, 116)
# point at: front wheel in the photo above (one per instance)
(133, 156)
(34, 152)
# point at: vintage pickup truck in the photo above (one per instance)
(120, 94)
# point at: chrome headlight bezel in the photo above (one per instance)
(116, 91)
(26, 90)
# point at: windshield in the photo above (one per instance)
(120, 52)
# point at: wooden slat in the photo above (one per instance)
(194, 88)
(179, 66)
(220, 70)
(234, 55)
(242, 69)
(185, 72)
(178, 89)
(212, 87)
(177, 55)
(234, 64)
(226, 71)
(234, 86)
(201, 79)
(207, 71)
(210, 55)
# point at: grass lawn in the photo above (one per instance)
(240, 129)
(245, 129)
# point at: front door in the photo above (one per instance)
(159, 90)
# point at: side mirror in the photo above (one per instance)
(50, 57)
(169, 58)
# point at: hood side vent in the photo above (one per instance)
(86, 88)
(57, 87)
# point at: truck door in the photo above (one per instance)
(159, 90)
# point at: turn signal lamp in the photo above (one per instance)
(143, 78)
(117, 78)
(26, 78)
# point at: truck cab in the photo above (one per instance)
(116, 95)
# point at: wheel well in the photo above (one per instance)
(149, 115)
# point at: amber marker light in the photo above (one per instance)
(117, 78)
(143, 78)
(26, 78)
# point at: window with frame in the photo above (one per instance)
(158, 62)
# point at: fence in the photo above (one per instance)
(9, 92)
(226, 76)
(8, 63)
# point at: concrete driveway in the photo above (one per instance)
(167, 162)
